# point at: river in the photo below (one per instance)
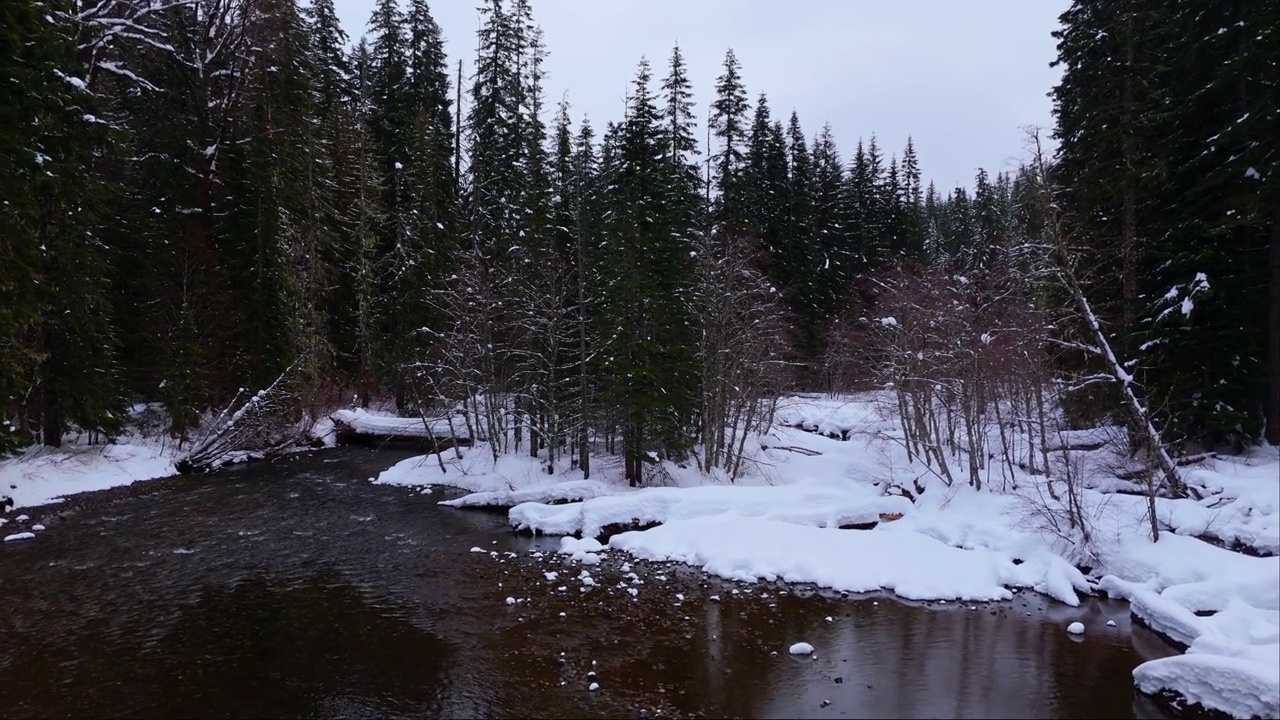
(298, 589)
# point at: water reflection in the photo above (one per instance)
(256, 649)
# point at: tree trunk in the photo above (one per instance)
(51, 416)
(1273, 335)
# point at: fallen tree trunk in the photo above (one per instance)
(357, 427)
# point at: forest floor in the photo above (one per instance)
(821, 502)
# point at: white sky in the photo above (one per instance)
(961, 78)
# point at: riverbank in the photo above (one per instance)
(796, 519)
(821, 509)
(334, 598)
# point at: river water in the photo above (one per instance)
(298, 589)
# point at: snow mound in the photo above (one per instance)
(43, 475)
(1225, 607)
(1076, 628)
(19, 536)
(801, 648)
(1235, 686)
(820, 504)
(586, 551)
(913, 565)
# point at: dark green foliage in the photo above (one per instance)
(58, 348)
(189, 217)
(646, 333)
(1162, 112)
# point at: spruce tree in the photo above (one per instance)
(645, 328)
(70, 353)
(802, 259)
(729, 125)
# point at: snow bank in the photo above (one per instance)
(44, 475)
(492, 483)
(829, 463)
(912, 565)
(815, 503)
(1240, 688)
(1225, 607)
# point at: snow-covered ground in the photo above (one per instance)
(43, 475)
(949, 542)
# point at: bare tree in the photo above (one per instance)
(741, 346)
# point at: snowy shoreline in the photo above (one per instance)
(794, 521)
(950, 543)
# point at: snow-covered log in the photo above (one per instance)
(362, 427)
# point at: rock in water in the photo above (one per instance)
(1076, 628)
(801, 648)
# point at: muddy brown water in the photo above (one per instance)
(298, 589)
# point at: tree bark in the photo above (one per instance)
(1273, 334)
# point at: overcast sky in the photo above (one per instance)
(961, 78)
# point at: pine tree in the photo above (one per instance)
(683, 180)
(729, 125)
(29, 65)
(801, 260)
(645, 329)
(913, 229)
(837, 259)
(68, 356)
(764, 181)
(333, 79)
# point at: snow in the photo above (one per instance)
(813, 503)
(801, 648)
(586, 551)
(1233, 655)
(1237, 687)
(951, 542)
(829, 463)
(913, 565)
(19, 536)
(369, 423)
(43, 475)
(1076, 628)
(557, 493)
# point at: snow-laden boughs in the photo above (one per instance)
(259, 423)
